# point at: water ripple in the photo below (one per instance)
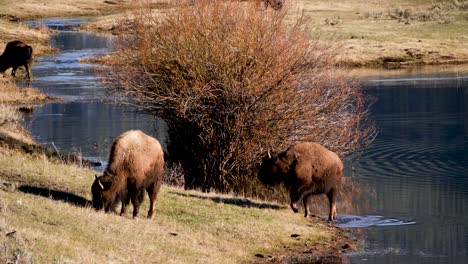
(353, 221)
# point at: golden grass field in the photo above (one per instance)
(367, 33)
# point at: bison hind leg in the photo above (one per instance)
(153, 190)
(307, 205)
(125, 203)
(136, 196)
(331, 195)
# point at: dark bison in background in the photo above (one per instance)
(275, 4)
(306, 169)
(136, 164)
(16, 54)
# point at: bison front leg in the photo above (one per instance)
(332, 203)
(295, 197)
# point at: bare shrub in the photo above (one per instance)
(441, 11)
(400, 14)
(456, 5)
(174, 175)
(232, 81)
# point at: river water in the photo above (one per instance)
(85, 119)
(417, 166)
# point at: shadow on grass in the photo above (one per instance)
(234, 201)
(56, 195)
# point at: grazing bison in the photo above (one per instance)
(16, 54)
(306, 169)
(136, 163)
(275, 4)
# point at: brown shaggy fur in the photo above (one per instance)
(16, 54)
(136, 163)
(306, 169)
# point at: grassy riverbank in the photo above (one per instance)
(45, 217)
(10, 93)
(398, 32)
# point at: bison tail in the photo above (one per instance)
(30, 51)
(141, 195)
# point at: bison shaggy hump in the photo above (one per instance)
(136, 164)
(306, 169)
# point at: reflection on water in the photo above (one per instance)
(418, 166)
(59, 23)
(352, 221)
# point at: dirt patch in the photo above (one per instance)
(333, 251)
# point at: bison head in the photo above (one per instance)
(269, 173)
(276, 4)
(102, 198)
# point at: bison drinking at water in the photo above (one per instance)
(136, 163)
(306, 169)
(16, 54)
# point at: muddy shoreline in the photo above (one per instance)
(344, 241)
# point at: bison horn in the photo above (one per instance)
(100, 184)
(269, 152)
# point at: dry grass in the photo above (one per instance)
(37, 38)
(11, 129)
(46, 221)
(12, 94)
(367, 34)
(31, 9)
(8, 114)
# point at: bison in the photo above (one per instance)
(275, 4)
(16, 54)
(136, 163)
(306, 169)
